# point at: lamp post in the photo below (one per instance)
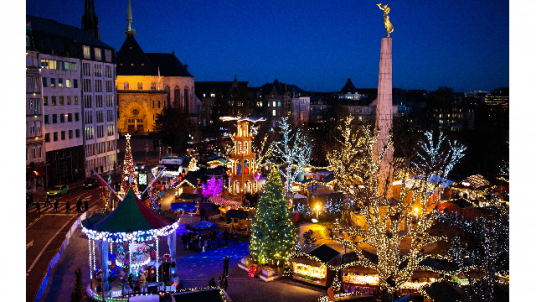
(317, 210)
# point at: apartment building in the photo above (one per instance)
(78, 112)
(35, 139)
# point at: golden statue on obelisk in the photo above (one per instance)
(386, 10)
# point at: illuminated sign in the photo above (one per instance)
(142, 179)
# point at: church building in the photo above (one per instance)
(147, 83)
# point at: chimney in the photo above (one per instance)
(186, 66)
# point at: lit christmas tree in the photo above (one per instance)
(128, 170)
(274, 236)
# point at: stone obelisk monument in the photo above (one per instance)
(384, 115)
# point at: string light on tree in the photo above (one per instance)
(356, 169)
(273, 237)
(293, 152)
(128, 179)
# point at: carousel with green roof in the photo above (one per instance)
(124, 253)
(126, 241)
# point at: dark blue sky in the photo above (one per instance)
(315, 44)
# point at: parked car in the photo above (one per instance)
(91, 183)
(58, 190)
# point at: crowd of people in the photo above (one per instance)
(196, 241)
(54, 202)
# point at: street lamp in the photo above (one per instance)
(317, 209)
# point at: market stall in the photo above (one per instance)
(312, 266)
(185, 202)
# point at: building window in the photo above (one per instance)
(69, 117)
(47, 137)
(68, 83)
(68, 100)
(186, 100)
(75, 99)
(32, 129)
(55, 136)
(98, 54)
(140, 85)
(70, 134)
(38, 128)
(98, 101)
(75, 83)
(76, 116)
(45, 100)
(109, 86)
(54, 119)
(62, 118)
(100, 131)
(87, 52)
(46, 119)
(52, 82)
(125, 86)
(109, 101)
(63, 135)
(278, 104)
(62, 100)
(45, 82)
(98, 70)
(98, 85)
(87, 69)
(87, 85)
(108, 71)
(77, 132)
(108, 55)
(89, 132)
(110, 130)
(273, 112)
(153, 85)
(99, 116)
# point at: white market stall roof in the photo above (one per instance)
(252, 119)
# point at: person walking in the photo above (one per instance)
(185, 240)
(79, 205)
(67, 206)
(86, 205)
(226, 261)
(38, 207)
(223, 283)
(235, 235)
(226, 236)
(56, 202)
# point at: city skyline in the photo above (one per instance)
(315, 45)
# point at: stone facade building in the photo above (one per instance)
(148, 82)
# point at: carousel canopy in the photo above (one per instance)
(130, 216)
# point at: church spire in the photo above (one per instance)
(129, 30)
(90, 22)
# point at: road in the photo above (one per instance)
(45, 233)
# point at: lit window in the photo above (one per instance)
(87, 52)
(274, 112)
(98, 54)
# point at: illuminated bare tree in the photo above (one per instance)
(293, 151)
(389, 222)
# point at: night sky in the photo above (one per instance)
(314, 44)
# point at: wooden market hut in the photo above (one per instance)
(315, 272)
